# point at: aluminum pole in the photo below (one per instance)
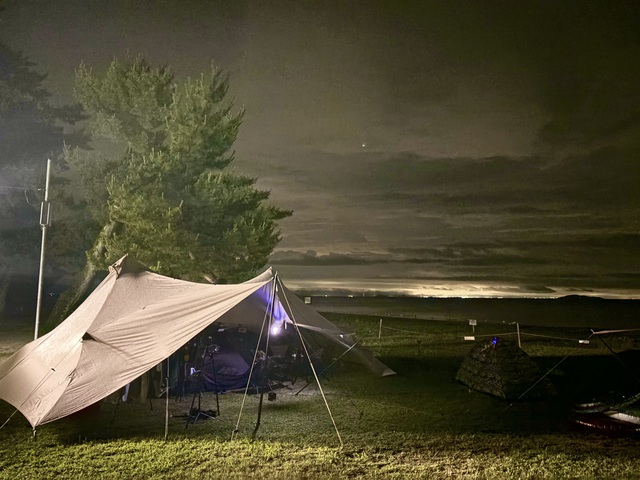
(44, 223)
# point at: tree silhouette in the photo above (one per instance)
(31, 129)
(163, 190)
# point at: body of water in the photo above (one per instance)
(572, 311)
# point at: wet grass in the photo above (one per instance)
(419, 423)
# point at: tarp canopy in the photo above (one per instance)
(134, 320)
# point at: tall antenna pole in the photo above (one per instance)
(45, 221)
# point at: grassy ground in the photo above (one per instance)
(419, 423)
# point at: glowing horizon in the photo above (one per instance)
(449, 289)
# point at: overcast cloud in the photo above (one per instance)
(430, 147)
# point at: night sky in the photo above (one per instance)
(425, 147)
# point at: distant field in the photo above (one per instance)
(561, 312)
(419, 423)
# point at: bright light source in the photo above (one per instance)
(275, 329)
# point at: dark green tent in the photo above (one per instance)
(500, 368)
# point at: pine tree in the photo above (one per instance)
(163, 191)
(31, 129)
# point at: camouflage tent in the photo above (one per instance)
(502, 369)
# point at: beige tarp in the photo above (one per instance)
(131, 322)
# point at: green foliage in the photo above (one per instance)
(169, 198)
(31, 130)
(459, 456)
(130, 103)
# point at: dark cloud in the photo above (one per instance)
(531, 266)
(416, 141)
(288, 257)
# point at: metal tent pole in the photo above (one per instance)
(265, 363)
(267, 317)
(306, 352)
(166, 405)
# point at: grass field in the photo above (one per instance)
(419, 423)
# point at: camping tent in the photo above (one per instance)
(501, 368)
(134, 320)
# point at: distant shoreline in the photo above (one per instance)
(571, 311)
(568, 311)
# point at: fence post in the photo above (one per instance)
(380, 330)
(518, 330)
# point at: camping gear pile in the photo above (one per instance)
(608, 419)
